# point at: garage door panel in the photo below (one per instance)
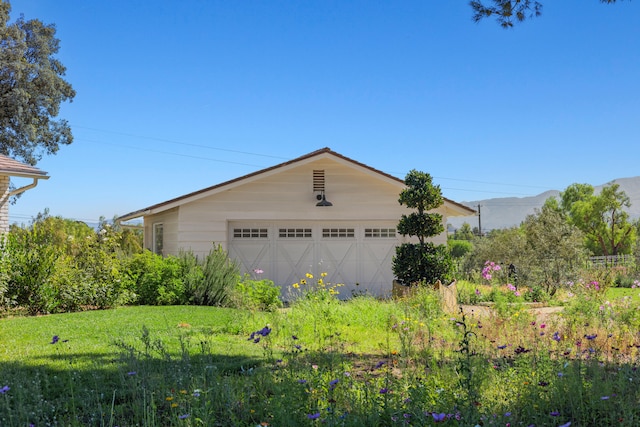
(251, 255)
(292, 261)
(376, 264)
(352, 254)
(340, 261)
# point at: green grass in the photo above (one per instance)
(619, 293)
(358, 363)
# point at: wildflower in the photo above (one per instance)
(183, 391)
(542, 326)
(169, 398)
(507, 414)
(333, 384)
(174, 405)
(196, 393)
(502, 347)
(604, 398)
(380, 364)
(517, 293)
(294, 337)
(438, 417)
(131, 373)
(556, 336)
(265, 331)
(301, 381)
(384, 390)
(309, 276)
(477, 292)
(184, 416)
(258, 271)
(55, 339)
(4, 389)
(314, 416)
(591, 337)
(295, 286)
(554, 413)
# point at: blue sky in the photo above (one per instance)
(175, 96)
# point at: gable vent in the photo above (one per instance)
(318, 180)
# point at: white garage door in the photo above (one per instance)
(357, 255)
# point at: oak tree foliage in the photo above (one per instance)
(32, 88)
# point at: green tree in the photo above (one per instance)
(602, 218)
(508, 11)
(553, 250)
(464, 232)
(31, 89)
(422, 262)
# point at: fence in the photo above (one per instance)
(611, 261)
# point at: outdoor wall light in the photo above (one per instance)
(323, 200)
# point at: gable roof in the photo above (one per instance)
(323, 152)
(12, 167)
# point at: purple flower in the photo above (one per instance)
(384, 390)
(264, 331)
(591, 337)
(438, 417)
(333, 383)
(302, 381)
(556, 336)
(554, 413)
(131, 373)
(502, 347)
(314, 416)
(55, 339)
(380, 364)
(4, 389)
(604, 398)
(184, 417)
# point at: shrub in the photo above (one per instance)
(156, 280)
(30, 261)
(258, 294)
(422, 262)
(220, 277)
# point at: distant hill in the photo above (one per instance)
(507, 212)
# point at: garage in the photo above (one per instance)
(355, 254)
(319, 213)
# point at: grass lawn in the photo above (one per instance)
(321, 362)
(619, 293)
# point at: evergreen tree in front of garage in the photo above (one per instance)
(423, 262)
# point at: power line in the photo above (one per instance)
(182, 143)
(276, 157)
